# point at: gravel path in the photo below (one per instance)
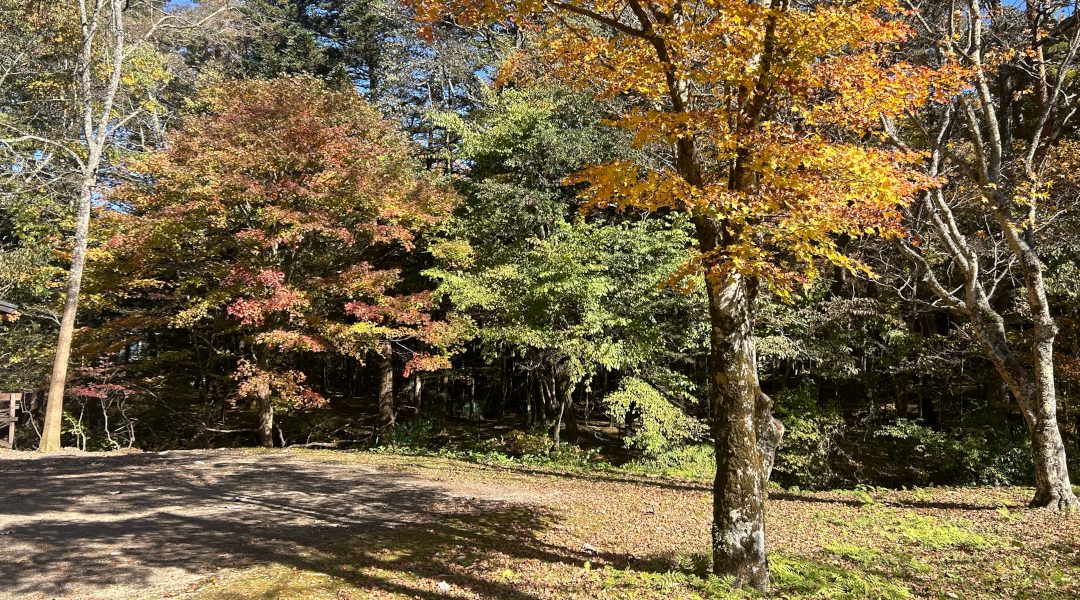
(115, 526)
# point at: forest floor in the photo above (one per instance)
(231, 524)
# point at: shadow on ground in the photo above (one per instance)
(151, 525)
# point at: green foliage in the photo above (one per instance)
(695, 461)
(811, 579)
(567, 297)
(660, 424)
(573, 457)
(854, 553)
(558, 289)
(928, 532)
(972, 457)
(521, 443)
(810, 440)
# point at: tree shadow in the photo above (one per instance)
(114, 525)
(791, 497)
(588, 476)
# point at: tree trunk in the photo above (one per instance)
(555, 438)
(528, 400)
(95, 139)
(54, 411)
(444, 400)
(544, 415)
(1053, 488)
(416, 396)
(1034, 390)
(505, 381)
(565, 395)
(386, 391)
(741, 423)
(266, 421)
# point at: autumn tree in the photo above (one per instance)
(101, 78)
(762, 110)
(1009, 180)
(280, 215)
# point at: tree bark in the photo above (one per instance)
(416, 397)
(95, 138)
(444, 400)
(738, 532)
(386, 391)
(565, 397)
(557, 427)
(54, 411)
(266, 421)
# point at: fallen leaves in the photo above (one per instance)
(591, 537)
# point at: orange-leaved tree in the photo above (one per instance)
(763, 114)
(280, 220)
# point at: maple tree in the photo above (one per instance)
(279, 216)
(763, 110)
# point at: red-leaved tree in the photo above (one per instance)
(280, 218)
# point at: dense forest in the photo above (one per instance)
(834, 240)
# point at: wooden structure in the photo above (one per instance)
(8, 308)
(9, 416)
(15, 407)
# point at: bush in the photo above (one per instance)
(697, 461)
(914, 453)
(520, 443)
(806, 454)
(661, 424)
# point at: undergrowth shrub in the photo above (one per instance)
(660, 425)
(806, 453)
(912, 453)
(696, 461)
(522, 443)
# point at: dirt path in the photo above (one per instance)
(116, 526)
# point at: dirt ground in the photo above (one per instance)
(116, 526)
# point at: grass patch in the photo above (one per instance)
(929, 532)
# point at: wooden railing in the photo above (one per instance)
(12, 404)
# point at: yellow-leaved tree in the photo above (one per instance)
(764, 114)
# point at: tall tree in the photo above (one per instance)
(996, 145)
(282, 215)
(113, 83)
(762, 107)
(371, 44)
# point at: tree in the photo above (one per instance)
(281, 214)
(762, 109)
(997, 144)
(371, 44)
(114, 79)
(565, 298)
